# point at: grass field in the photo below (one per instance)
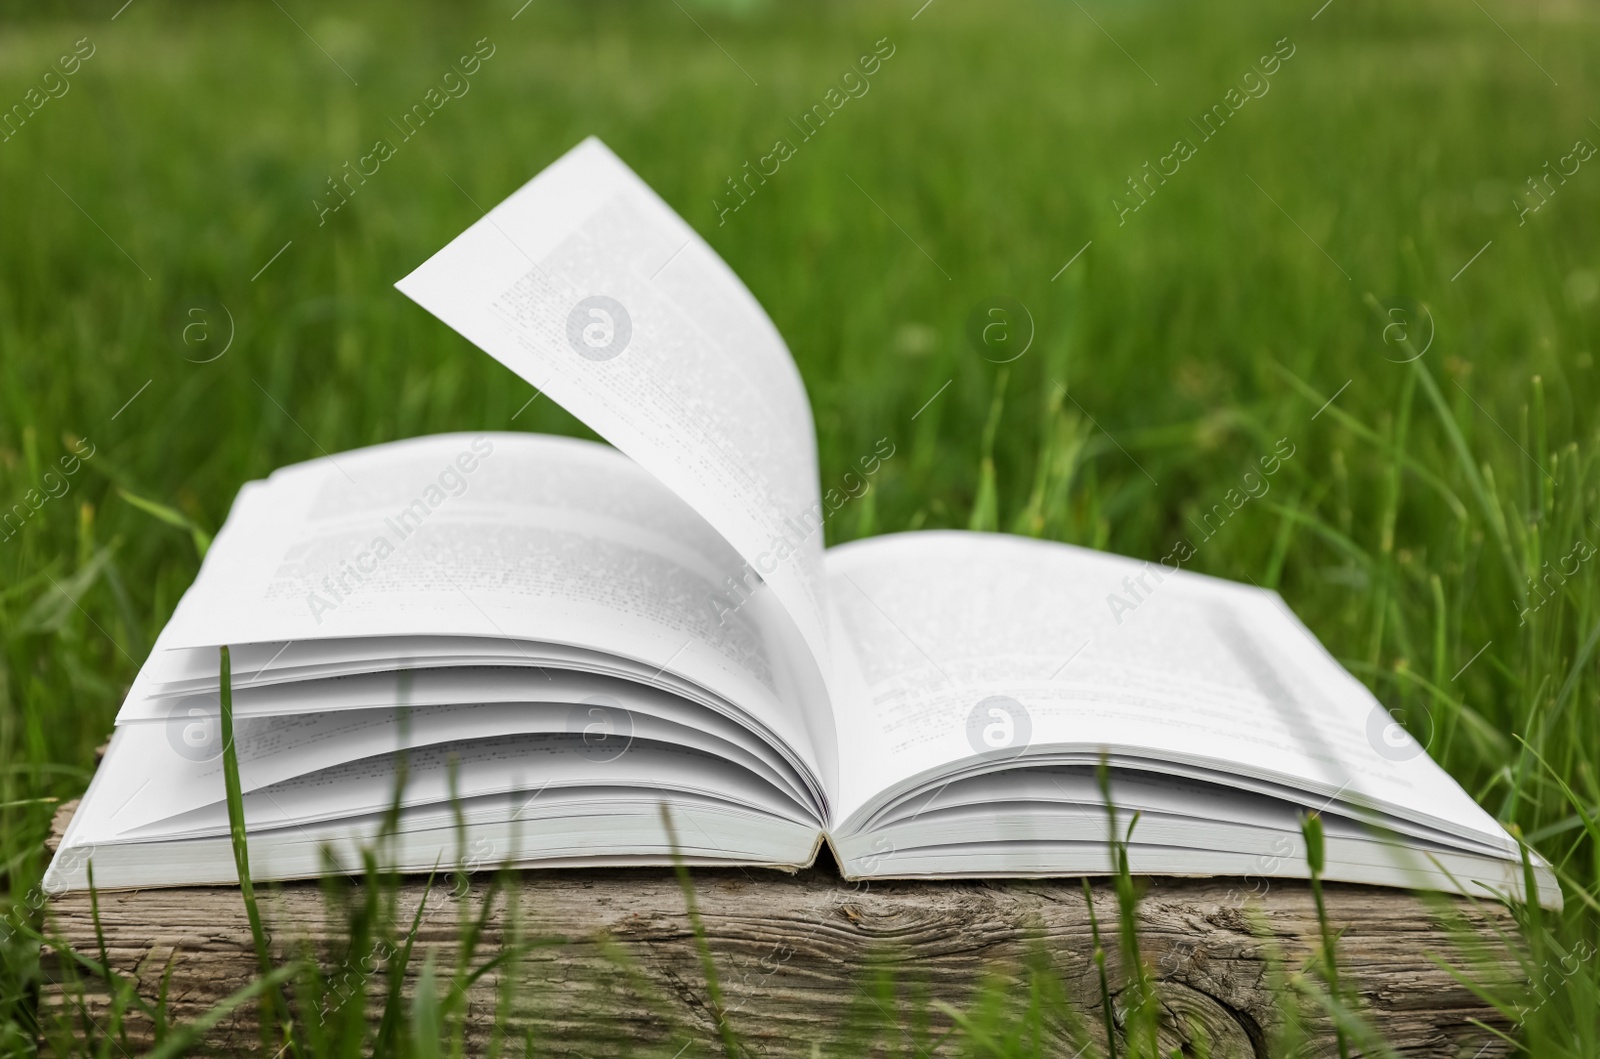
(1402, 184)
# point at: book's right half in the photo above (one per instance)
(983, 680)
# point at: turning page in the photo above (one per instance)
(590, 287)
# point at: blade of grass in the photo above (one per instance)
(274, 1006)
(730, 1044)
(1311, 829)
(172, 517)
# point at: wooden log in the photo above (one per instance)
(795, 956)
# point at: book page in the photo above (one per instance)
(273, 750)
(505, 764)
(131, 803)
(984, 647)
(510, 537)
(586, 284)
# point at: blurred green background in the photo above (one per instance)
(167, 202)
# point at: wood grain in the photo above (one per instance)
(796, 954)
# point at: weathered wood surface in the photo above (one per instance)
(792, 953)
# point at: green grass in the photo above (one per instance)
(1220, 317)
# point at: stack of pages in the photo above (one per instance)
(532, 644)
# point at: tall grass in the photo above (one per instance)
(1428, 526)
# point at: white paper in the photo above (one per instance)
(542, 539)
(702, 393)
(150, 780)
(368, 708)
(133, 802)
(1198, 670)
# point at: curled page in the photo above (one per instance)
(586, 284)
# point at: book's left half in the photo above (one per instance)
(516, 633)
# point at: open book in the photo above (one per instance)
(493, 648)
